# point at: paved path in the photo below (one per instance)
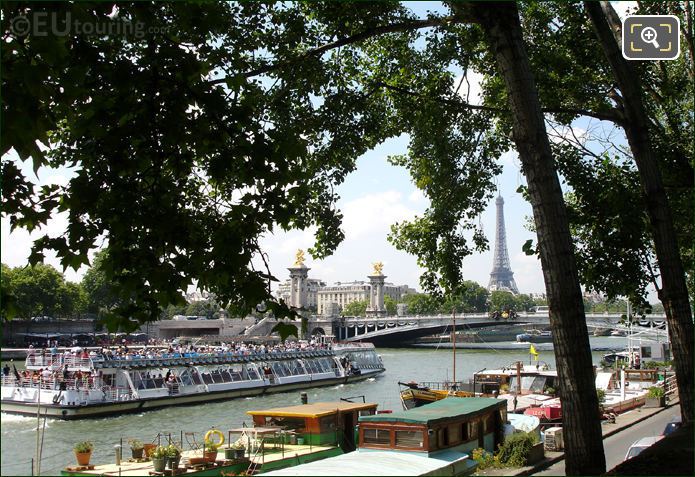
(616, 446)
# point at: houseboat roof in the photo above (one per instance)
(317, 409)
(449, 408)
(371, 462)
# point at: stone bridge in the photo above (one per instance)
(394, 330)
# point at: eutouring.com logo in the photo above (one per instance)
(63, 24)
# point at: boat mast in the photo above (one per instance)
(37, 466)
(453, 341)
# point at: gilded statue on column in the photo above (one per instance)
(378, 268)
(299, 258)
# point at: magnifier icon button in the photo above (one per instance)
(649, 35)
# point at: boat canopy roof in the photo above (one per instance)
(449, 408)
(317, 409)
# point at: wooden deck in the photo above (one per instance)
(145, 468)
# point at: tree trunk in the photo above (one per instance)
(582, 428)
(673, 293)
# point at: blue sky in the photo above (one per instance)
(373, 197)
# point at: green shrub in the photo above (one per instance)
(656, 392)
(656, 364)
(485, 459)
(515, 449)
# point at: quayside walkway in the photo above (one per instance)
(660, 457)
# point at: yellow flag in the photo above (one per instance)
(533, 351)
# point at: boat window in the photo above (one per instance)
(487, 424)
(409, 439)
(646, 352)
(464, 432)
(327, 424)
(185, 377)
(216, 378)
(253, 374)
(279, 369)
(503, 416)
(442, 437)
(226, 377)
(367, 412)
(379, 437)
(454, 433)
(207, 379)
(473, 430)
(314, 366)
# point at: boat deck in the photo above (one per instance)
(129, 468)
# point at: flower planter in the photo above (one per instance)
(137, 453)
(83, 457)
(159, 464)
(655, 402)
(173, 462)
(211, 456)
(148, 448)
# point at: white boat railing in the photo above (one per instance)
(58, 361)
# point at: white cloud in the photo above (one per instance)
(417, 197)
(374, 214)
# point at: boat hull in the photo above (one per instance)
(139, 405)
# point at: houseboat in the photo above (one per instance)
(418, 394)
(434, 439)
(81, 386)
(280, 437)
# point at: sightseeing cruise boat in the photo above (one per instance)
(77, 385)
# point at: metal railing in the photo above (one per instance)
(58, 361)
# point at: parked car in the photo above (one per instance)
(639, 445)
(672, 425)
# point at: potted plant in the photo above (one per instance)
(211, 452)
(148, 449)
(239, 449)
(159, 458)
(83, 452)
(656, 397)
(173, 456)
(136, 448)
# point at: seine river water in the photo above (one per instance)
(431, 364)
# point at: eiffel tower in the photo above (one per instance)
(501, 277)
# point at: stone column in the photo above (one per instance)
(298, 286)
(376, 296)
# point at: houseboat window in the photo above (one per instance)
(409, 439)
(464, 431)
(503, 416)
(379, 437)
(646, 352)
(442, 437)
(367, 412)
(455, 433)
(487, 424)
(473, 430)
(327, 423)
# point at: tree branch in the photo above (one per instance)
(356, 38)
